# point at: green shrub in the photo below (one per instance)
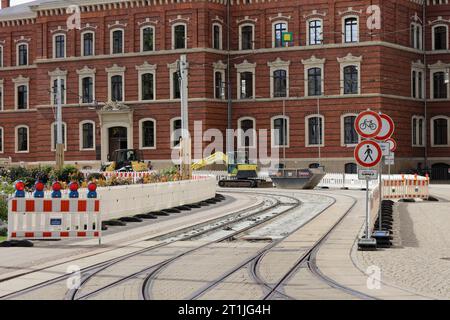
(67, 174)
(3, 209)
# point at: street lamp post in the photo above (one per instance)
(59, 128)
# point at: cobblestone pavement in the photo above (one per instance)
(420, 259)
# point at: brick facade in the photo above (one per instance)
(386, 59)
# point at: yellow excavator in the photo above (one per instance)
(241, 173)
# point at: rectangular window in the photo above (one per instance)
(1, 139)
(246, 84)
(116, 88)
(117, 39)
(279, 28)
(216, 37)
(22, 97)
(315, 131)
(88, 44)
(88, 136)
(314, 82)
(147, 39)
(23, 55)
(176, 133)
(148, 134)
(315, 32)
(247, 38)
(351, 76)
(176, 86)
(440, 38)
(179, 37)
(219, 92)
(280, 83)
(439, 86)
(55, 91)
(87, 90)
(350, 135)
(147, 86)
(22, 139)
(55, 135)
(351, 30)
(280, 134)
(440, 132)
(60, 46)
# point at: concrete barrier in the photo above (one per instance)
(130, 200)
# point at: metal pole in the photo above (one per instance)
(185, 137)
(381, 195)
(59, 129)
(367, 210)
(320, 124)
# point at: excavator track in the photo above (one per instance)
(238, 183)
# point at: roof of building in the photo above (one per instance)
(22, 11)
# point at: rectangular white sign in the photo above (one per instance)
(367, 174)
(385, 146)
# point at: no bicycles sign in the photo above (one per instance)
(368, 124)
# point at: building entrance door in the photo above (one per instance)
(118, 139)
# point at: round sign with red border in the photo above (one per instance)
(368, 154)
(368, 124)
(387, 128)
(392, 144)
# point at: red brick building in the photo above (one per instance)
(338, 64)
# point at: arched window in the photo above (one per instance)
(280, 131)
(147, 39)
(246, 37)
(246, 133)
(314, 130)
(179, 38)
(147, 87)
(351, 168)
(22, 139)
(116, 88)
(351, 30)
(87, 84)
(55, 135)
(279, 83)
(350, 137)
(175, 132)
(88, 43)
(440, 131)
(59, 45)
(217, 36)
(278, 29)
(22, 54)
(440, 37)
(351, 79)
(315, 32)
(87, 135)
(147, 134)
(314, 82)
(117, 39)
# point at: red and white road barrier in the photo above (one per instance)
(53, 218)
(414, 187)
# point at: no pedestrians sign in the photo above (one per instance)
(368, 154)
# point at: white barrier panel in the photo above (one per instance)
(134, 176)
(130, 200)
(406, 188)
(43, 218)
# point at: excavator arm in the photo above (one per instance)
(214, 158)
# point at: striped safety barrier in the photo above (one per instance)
(54, 218)
(406, 188)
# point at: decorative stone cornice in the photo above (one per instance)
(117, 24)
(179, 18)
(86, 71)
(219, 19)
(21, 79)
(115, 106)
(349, 11)
(219, 65)
(349, 58)
(57, 73)
(418, 64)
(246, 19)
(245, 65)
(439, 65)
(22, 39)
(278, 63)
(439, 20)
(147, 21)
(280, 16)
(58, 30)
(146, 67)
(88, 26)
(313, 60)
(314, 13)
(115, 69)
(173, 65)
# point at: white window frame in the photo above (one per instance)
(16, 140)
(433, 36)
(144, 69)
(239, 133)
(53, 77)
(115, 70)
(141, 138)
(52, 136)
(432, 72)
(20, 81)
(308, 33)
(241, 68)
(54, 45)
(17, 54)
(2, 53)
(343, 29)
(172, 133)
(314, 62)
(273, 30)
(84, 73)
(141, 41)
(418, 118)
(2, 145)
(276, 65)
(343, 144)
(220, 35)
(185, 35)
(272, 131)
(82, 43)
(417, 26)
(219, 67)
(349, 61)
(307, 145)
(80, 128)
(418, 70)
(111, 44)
(253, 35)
(432, 131)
